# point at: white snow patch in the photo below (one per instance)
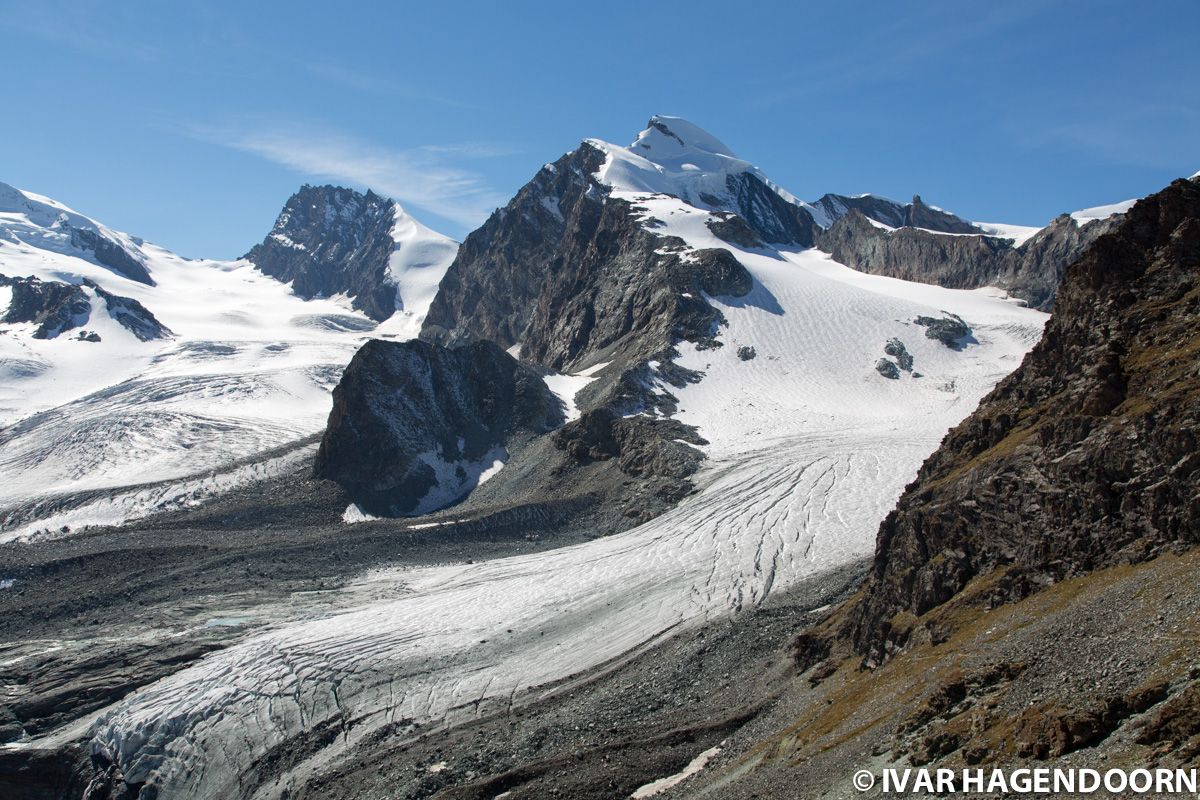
(354, 513)
(1019, 234)
(551, 205)
(566, 387)
(662, 784)
(416, 267)
(456, 477)
(1102, 212)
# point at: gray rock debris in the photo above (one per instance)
(949, 330)
(897, 350)
(888, 368)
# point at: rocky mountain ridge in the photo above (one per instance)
(915, 214)
(1030, 271)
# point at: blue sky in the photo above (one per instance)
(191, 123)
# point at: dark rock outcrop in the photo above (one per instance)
(643, 447)
(413, 424)
(132, 315)
(56, 307)
(897, 350)
(1030, 272)
(774, 219)
(730, 227)
(1084, 457)
(888, 368)
(51, 305)
(949, 330)
(330, 240)
(111, 254)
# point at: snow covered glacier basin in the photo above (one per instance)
(810, 447)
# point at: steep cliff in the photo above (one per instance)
(969, 259)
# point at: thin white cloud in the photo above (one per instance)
(373, 83)
(1162, 136)
(417, 178)
(86, 27)
(893, 51)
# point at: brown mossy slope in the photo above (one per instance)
(1096, 671)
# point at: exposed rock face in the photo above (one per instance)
(330, 240)
(1030, 272)
(51, 305)
(1086, 456)
(774, 219)
(568, 273)
(896, 349)
(1034, 270)
(731, 228)
(111, 254)
(642, 447)
(56, 307)
(414, 425)
(888, 368)
(492, 289)
(896, 215)
(132, 315)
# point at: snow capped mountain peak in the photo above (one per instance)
(671, 156)
(674, 136)
(678, 158)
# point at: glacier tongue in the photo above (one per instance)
(809, 449)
